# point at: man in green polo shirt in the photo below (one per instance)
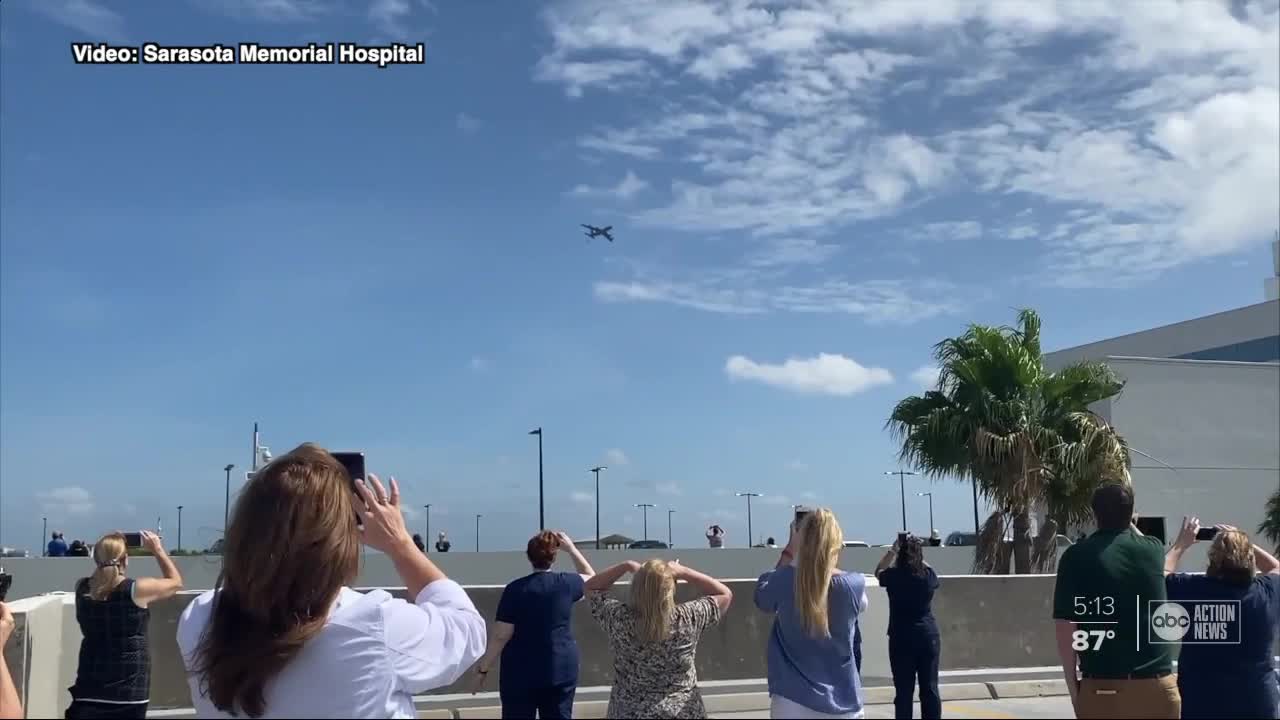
(1105, 585)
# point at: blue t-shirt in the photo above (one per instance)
(57, 548)
(542, 651)
(910, 600)
(1230, 680)
(816, 672)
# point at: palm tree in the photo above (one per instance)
(1023, 435)
(1270, 527)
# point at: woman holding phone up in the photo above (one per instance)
(812, 655)
(113, 679)
(914, 641)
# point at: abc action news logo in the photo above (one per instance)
(1201, 622)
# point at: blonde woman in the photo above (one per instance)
(653, 639)
(1236, 680)
(113, 679)
(811, 655)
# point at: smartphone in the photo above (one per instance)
(133, 540)
(354, 464)
(1205, 534)
(5, 581)
(801, 514)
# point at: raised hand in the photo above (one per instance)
(384, 528)
(152, 542)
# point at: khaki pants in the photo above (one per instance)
(1124, 699)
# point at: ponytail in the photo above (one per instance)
(820, 543)
(109, 555)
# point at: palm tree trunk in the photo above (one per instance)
(1022, 542)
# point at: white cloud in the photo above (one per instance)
(274, 11)
(798, 466)
(1165, 138)
(824, 374)
(582, 498)
(394, 17)
(467, 124)
(925, 376)
(751, 290)
(85, 16)
(615, 458)
(668, 488)
(808, 495)
(65, 501)
(478, 363)
(626, 188)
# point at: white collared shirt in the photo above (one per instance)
(372, 656)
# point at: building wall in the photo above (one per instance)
(1247, 334)
(1216, 423)
(35, 576)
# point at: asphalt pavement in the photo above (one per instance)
(1040, 707)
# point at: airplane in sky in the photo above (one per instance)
(593, 231)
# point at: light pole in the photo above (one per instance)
(179, 527)
(597, 470)
(748, 496)
(478, 516)
(902, 488)
(542, 517)
(44, 533)
(930, 496)
(670, 544)
(428, 538)
(645, 508)
(226, 501)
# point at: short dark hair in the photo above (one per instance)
(542, 550)
(1113, 506)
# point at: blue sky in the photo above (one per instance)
(805, 199)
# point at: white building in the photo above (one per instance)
(1201, 411)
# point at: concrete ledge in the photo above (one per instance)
(735, 702)
(877, 696)
(436, 714)
(963, 691)
(1027, 688)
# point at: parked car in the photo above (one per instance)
(855, 544)
(648, 545)
(961, 539)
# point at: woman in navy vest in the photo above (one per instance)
(113, 679)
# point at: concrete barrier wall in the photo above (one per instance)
(36, 655)
(986, 623)
(35, 576)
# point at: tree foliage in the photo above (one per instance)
(1026, 435)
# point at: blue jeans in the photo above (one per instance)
(913, 655)
(554, 701)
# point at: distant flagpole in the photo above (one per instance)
(542, 512)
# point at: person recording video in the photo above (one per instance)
(1228, 680)
(715, 536)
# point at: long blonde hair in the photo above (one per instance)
(653, 599)
(110, 555)
(820, 542)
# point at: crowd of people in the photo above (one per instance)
(284, 635)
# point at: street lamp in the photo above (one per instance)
(670, 544)
(428, 539)
(930, 496)
(748, 496)
(597, 470)
(179, 528)
(44, 533)
(902, 488)
(478, 516)
(542, 517)
(645, 508)
(226, 501)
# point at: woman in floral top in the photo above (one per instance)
(653, 639)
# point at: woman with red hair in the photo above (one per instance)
(534, 636)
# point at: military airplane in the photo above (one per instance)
(593, 231)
